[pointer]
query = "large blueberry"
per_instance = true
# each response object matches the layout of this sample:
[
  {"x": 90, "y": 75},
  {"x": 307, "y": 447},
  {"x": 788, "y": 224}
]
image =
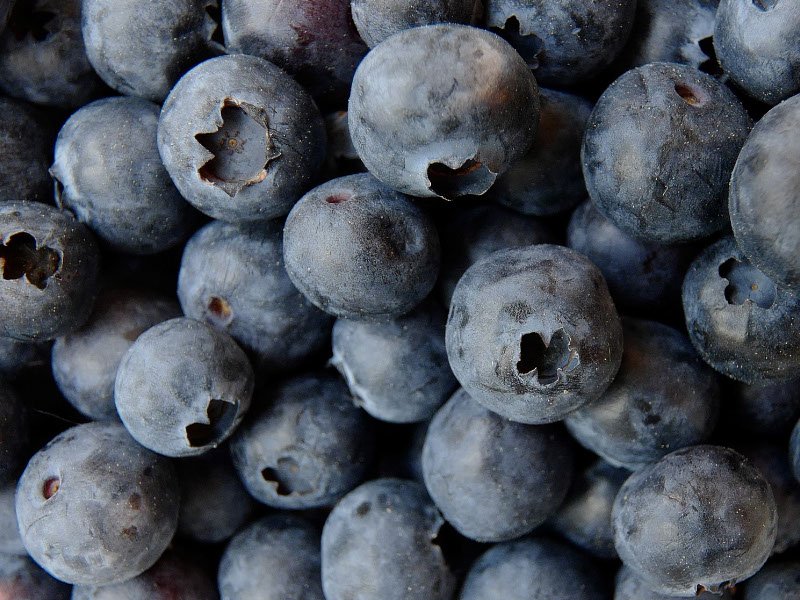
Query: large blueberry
[
  {"x": 377, "y": 20},
  {"x": 630, "y": 587},
  {"x": 308, "y": 447},
  {"x": 396, "y": 370},
  {"x": 643, "y": 277},
  {"x": 664, "y": 397},
  {"x": 85, "y": 362},
  {"x": 183, "y": 387},
  {"x": 358, "y": 249},
  {"x": 171, "y": 578},
  {"x": 49, "y": 263},
  {"x": 741, "y": 323},
  {"x": 535, "y": 568},
  {"x": 500, "y": 480},
  {"x": 548, "y": 179},
  {"x": 585, "y": 516},
  {"x": 214, "y": 503},
  {"x": 533, "y": 334},
  {"x": 314, "y": 40},
  {"x": 659, "y": 149},
  {"x": 442, "y": 110},
  {"x": 26, "y": 144},
  {"x": 109, "y": 174},
  {"x": 380, "y": 543},
  {"x": 22, "y": 579},
  {"x": 241, "y": 140},
  {"x": 233, "y": 278},
  {"x": 142, "y": 48},
  {"x": 564, "y": 42},
  {"x": 42, "y": 55},
  {"x": 14, "y": 433},
  {"x": 96, "y": 508},
  {"x": 472, "y": 233},
  {"x": 756, "y": 44},
  {"x": 764, "y": 197},
  {"x": 275, "y": 558},
  {"x": 701, "y": 519}
]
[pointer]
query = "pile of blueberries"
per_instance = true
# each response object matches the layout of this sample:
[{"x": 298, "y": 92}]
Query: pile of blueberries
[{"x": 399, "y": 299}]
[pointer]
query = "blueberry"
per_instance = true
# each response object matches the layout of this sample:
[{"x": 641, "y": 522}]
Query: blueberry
[
  {"x": 275, "y": 558},
  {"x": 170, "y": 578},
  {"x": 48, "y": 263},
  {"x": 18, "y": 358},
  {"x": 659, "y": 149},
  {"x": 357, "y": 249},
  {"x": 548, "y": 179},
  {"x": 772, "y": 462},
  {"x": 676, "y": 31},
  {"x": 701, "y": 519},
  {"x": 314, "y": 41},
  {"x": 94, "y": 507},
  {"x": 14, "y": 433},
  {"x": 776, "y": 581},
  {"x": 585, "y": 516},
  {"x": 307, "y": 448},
  {"x": 377, "y": 20},
  {"x": 141, "y": 49},
  {"x": 764, "y": 201},
  {"x": 756, "y": 44},
  {"x": 664, "y": 397},
  {"x": 565, "y": 42},
  {"x": 534, "y": 568},
  {"x": 241, "y": 140},
  {"x": 500, "y": 481},
  {"x": 630, "y": 587},
  {"x": 196, "y": 396},
  {"x": 42, "y": 55},
  {"x": 25, "y": 148},
  {"x": 475, "y": 232},
  {"x": 85, "y": 362},
  {"x": 109, "y": 174},
  {"x": 21, "y": 579},
  {"x": 233, "y": 278},
  {"x": 767, "y": 410},
  {"x": 426, "y": 117},
  {"x": 397, "y": 371},
  {"x": 214, "y": 503},
  {"x": 643, "y": 277},
  {"x": 10, "y": 540},
  {"x": 741, "y": 323},
  {"x": 380, "y": 543},
  {"x": 532, "y": 333}
]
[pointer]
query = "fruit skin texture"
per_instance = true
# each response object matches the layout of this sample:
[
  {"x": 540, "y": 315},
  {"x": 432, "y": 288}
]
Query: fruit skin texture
[
  {"x": 23, "y": 579},
  {"x": 49, "y": 266},
  {"x": 740, "y": 322},
  {"x": 112, "y": 179},
  {"x": 534, "y": 568},
  {"x": 764, "y": 199},
  {"x": 701, "y": 516},
  {"x": 275, "y": 558},
  {"x": 85, "y": 362},
  {"x": 425, "y": 103},
  {"x": 183, "y": 387},
  {"x": 360, "y": 250},
  {"x": 111, "y": 512},
  {"x": 664, "y": 397},
  {"x": 523, "y": 310},
  {"x": 377, "y": 20},
  {"x": 169, "y": 37},
  {"x": 500, "y": 480},
  {"x": 241, "y": 180},
  {"x": 308, "y": 447},
  {"x": 397, "y": 371},
  {"x": 756, "y": 44},
  {"x": 659, "y": 149},
  {"x": 630, "y": 587},
  {"x": 379, "y": 543}
]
